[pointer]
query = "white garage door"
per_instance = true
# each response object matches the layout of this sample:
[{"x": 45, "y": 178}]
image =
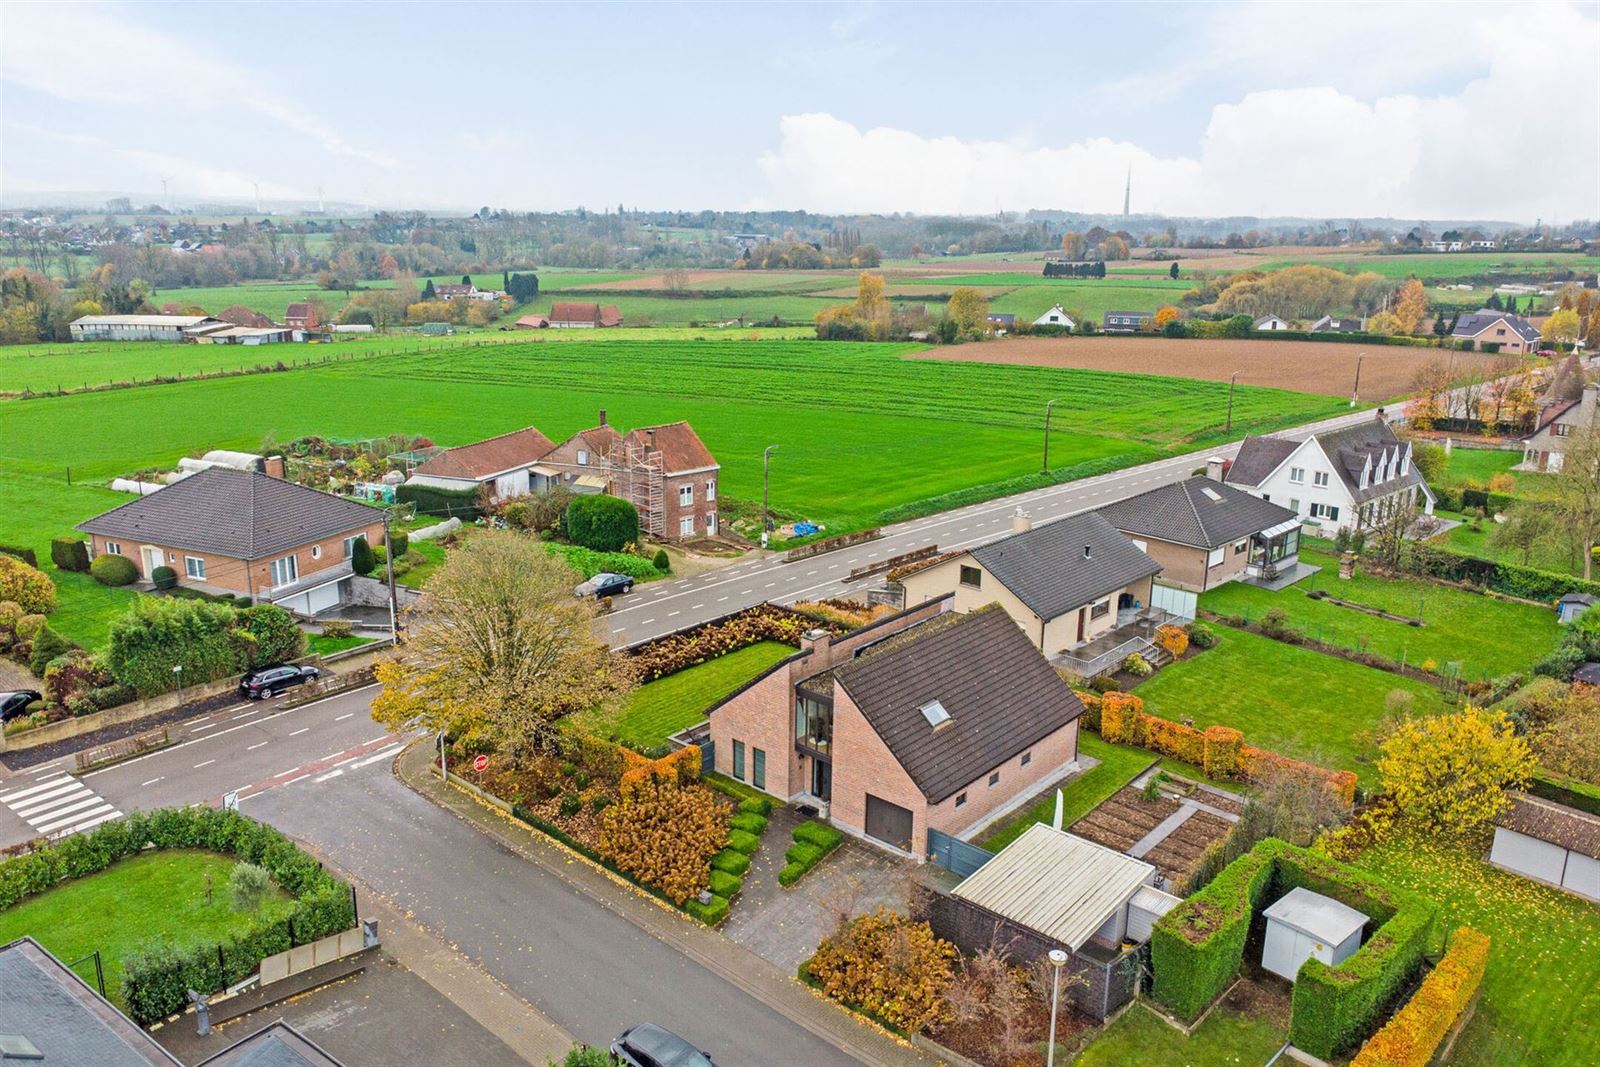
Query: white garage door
[{"x": 322, "y": 599}]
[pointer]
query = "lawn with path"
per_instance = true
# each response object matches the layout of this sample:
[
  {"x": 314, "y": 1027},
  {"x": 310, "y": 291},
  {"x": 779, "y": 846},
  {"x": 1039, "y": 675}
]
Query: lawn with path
[
  {"x": 1285, "y": 698},
  {"x": 663, "y": 707},
  {"x": 1119, "y": 765},
  {"x": 143, "y": 899},
  {"x": 1487, "y": 637}
]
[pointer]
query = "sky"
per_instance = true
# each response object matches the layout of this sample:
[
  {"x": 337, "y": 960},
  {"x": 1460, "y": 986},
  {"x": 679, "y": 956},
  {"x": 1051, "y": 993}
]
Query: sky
[{"x": 1406, "y": 110}]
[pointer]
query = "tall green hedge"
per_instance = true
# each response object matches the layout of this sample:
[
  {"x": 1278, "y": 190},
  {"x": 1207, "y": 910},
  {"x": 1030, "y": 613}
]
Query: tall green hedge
[
  {"x": 70, "y": 553},
  {"x": 209, "y": 641},
  {"x": 603, "y": 523},
  {"x": 1196, "y": 948},
  {"x": 155, "y": 980},
  {"x": 446, "y": 503},
  {"x": 1510, "y": 578}
]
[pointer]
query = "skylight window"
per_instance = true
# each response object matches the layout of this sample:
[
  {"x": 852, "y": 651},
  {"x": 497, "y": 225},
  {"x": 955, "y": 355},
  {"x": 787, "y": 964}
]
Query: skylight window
[
  {"x": 934, "y": 712},
  {"x": 1211, "y": 494}
]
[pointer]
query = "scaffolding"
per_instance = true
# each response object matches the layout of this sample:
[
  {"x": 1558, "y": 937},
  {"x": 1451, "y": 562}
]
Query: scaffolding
[{"x": 645, "y": 479}]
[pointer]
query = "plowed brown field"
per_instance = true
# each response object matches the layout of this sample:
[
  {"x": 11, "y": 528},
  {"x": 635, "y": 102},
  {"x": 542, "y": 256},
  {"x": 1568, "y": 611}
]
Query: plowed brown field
[{"x": 1304, "y": 366}]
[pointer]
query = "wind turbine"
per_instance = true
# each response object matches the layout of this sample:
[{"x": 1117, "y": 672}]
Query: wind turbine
[
  {"x": 257, "y": 186},
  {"x": 165, "y": 199}
]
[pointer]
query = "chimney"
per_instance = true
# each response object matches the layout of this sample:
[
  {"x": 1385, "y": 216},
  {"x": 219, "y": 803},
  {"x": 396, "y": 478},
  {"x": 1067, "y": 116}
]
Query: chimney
[
  {"x": 272, "y": 467},
  {"x": 650, "y": 435},
  {"x": 818, "y": 644},
  {"x": 1381, "y": 415},
  {"x": 1586, "y": 405},
  {"x": 1216, "y": 467},
  {"x": 1086, "y": 551},
  {"x": 602, "y": 416},
  {"x": 1020, "y": 522}
]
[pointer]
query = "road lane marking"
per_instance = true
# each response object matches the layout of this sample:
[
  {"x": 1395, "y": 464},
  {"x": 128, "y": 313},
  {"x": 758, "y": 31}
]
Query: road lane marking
[
  {"x": 296, "y": 778},
  {"x": 74, "y": 811},
  {"x": 297, "y": 733},
  {"x": 696, "y": 607},
  {"x": 83, "y": 820},
  {"x": 381, "y": 754},
  {"x": 670, "y": 614},
  {"x": 720, "y": 599},
  {"x": 204, "y": 763},
  {"x": 259, "y": 744},
  {"x": 246, "y": 715},
  {"x": 46, "y": 801},
  {"x": 18, "y": 794},
  {"x": 375, "y": 740},
  {"x": 153, "y": 781},
  {"x": 61, "y": 805},
  {"x": 342, "y": 718},
  {"x": 330, "y": 774},
  {"x": 204, "y": 726}
]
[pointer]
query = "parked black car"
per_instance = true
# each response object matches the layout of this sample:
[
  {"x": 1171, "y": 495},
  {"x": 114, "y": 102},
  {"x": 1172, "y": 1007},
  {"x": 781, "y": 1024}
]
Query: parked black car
[
  {"x": 649, "y": 1045},
  {"x": 606, "y": 584},
  {"x": 15, "y": 702},
  {"x": 270, "y": 681}
]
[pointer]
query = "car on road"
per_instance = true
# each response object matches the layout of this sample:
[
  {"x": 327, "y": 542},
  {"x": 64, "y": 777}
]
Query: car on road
[
  {"x": 649, "y": 1045},
  {"x": 272, "y": 680},
  {"x": 606, "y": 584},
  {"x": 15, "y": 702}
]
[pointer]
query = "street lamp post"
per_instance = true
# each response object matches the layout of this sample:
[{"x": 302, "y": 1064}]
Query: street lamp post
[
  {"x": 1058, "y": 960},
  {"x": 766, "y": 477},
  {"x": 1355, "y": 390},
  {"x": 1231, "y": 379},
  {"x": 1047, "y": 406},
  {"x": 177, "y": 674}
]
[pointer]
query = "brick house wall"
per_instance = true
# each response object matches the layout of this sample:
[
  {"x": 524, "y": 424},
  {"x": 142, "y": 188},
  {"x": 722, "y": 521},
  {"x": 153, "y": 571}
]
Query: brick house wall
[
  {"x": 863, "y": 764},
  {"x": 1185, "y": 565},
  {"x": 703, "y": 487},
  {"x": 1047, "y": 761},
  {"x": 227, "y": 574}
]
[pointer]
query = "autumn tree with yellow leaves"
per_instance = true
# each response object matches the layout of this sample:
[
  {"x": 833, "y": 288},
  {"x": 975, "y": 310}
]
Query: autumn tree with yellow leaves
[{"x": 1449, "y": 773}]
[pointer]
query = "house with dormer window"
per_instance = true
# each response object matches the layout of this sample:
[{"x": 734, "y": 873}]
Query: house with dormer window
[{"x": 1354, "y": 478}]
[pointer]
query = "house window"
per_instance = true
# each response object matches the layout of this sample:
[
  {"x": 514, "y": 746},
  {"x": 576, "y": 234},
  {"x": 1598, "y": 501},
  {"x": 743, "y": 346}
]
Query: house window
[
  {"x": 961, "y": 798},
  {"x": 1294, "y": 504},
  {"x": 971, "y": 577},
  {"x": 758, "y": 768},
  {"x": 1560, "y": 429},
  {"x": 583, "y": 457},
  {"x": 194, "y": 567},
  {"x": 113, "y": 548},
  {"x": 994, "y": 778},
  {"x": 1297, "y": 474},
  {"x": 350, "y": 546},
  {"x": 1320, "y": 478},
  {"x": 1214, "y": 557},
  {"x": 316, "y": 551},
  {"x": 285, "y": 570},
  {"x": 1101, "y": 610},
  {"x": 686, "y": 495},
  {"x": 738, "y": 760},
  {"x": 1027, "y": 758},
  {"x": 172, "y": 557},
  {"x": 1325, "y": 511},
  {"x": 813, "y": 723},
  {"x": 711, "y": 489},
  {"x": 1241, "y": 547},
  {"x": 686, "y": 526}
]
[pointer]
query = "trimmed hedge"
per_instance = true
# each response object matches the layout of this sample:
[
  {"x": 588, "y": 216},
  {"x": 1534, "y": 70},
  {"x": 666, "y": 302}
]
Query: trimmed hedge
[
  {"x": 743, "y": 841},
  {"x": 21, "y": 552},
  {"x": 749, "y": 822},
  {"x": 1414, "y": 1034},
  {"x": 155, "y": 980},
  {"x": 209, "y": 640},
  {"x": 70, "y": 553},
  {"x": 725, "y": 885},
  {"x": 113, "y": 570},
  {"x": 163, "y": 577},
  {"x": 712, "y": 914},
  {"x": 1568, "y": 791},
  {"x": 761, "y": 806},
  {"x": 1196, "y": 948},
  {"x": 812, "y": 843},
  {"x": 446, "y": 503},
  {"x": 730, "y": 861},
  {"x": 603, "y": 523},
  {"x": 1439, "y": 561}
]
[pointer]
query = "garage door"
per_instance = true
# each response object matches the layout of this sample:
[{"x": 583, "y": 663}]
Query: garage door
[
  {"x": 889, "y": 823},
  {"x": 323, "y": 599}
]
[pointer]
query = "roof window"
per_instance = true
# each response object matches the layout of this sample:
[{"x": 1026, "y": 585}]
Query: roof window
[{"x": 935, "y": 713}]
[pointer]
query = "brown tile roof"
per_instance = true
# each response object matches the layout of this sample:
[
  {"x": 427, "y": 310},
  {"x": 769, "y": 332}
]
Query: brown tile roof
[
  {"x": 533, "y": 322},
  {"x": 610, "y": 315},
  {"x": 477, "y": 461},
  {"x": 568, "y": 311},
  {"x": 240, "y": 315},
  {"x": 1001, "y": 694},
  {"x": 234, "y": 513},
  {"x": 680, "y": 447},
  {"x": 298, "y": 311},
  {"x": 1552, "y": 822}
]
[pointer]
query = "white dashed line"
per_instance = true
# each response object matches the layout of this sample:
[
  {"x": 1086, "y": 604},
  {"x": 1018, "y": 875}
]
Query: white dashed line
[
  {"x": 342, "y": 718},
  {"x": 330, "y": 774},
  {"x": 258, "y": 744},
  {"x": 152, "y": 781},
  {"x": 205, "y": 763},
  {"x": 300, "y": 731}
]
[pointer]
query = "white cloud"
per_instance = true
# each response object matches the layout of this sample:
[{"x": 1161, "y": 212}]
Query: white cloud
[{"x": 1518, "y": 141}]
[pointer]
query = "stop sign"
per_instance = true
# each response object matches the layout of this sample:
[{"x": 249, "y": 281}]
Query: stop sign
[{"x": 480, "y": 762}]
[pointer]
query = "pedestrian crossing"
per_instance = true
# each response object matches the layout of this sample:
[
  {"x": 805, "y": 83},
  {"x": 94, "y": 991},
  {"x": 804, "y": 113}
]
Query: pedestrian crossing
[{"x": 59, "y": 806}]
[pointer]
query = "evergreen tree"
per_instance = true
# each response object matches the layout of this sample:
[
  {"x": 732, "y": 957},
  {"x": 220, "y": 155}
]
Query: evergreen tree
[
  {"x": 1494, "y": 302},
  {"x": 428, "y": 292},
  {"x": 1174, "y": 271},
  {"x": 466, "y": 279}
]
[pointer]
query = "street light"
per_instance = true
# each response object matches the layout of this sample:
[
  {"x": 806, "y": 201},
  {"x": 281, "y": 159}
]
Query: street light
[
  {"x": 1058, "y": 960},
  {"x": 1231, "y": 379},
  {"x": 1047, "y": 406},
  {"x": 766, "y": 477},
  {"x": 177, "y": 674}
]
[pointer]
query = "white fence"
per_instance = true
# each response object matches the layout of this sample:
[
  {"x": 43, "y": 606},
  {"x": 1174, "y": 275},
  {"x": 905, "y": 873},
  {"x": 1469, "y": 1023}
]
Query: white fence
[{"x": 304, "y": 957}]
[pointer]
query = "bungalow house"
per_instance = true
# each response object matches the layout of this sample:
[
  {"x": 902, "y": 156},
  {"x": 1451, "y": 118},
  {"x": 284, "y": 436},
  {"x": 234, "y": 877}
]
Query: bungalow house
[
  {"x": 923, "y": 725},
  {"x": 302, "y": 316},
  {"x": 503, "y": 464},
  {"x": 571, "y": 315},
  {"x": 1352, "y": 478},
  {"x": 586, "y": 462},
  {"x": 1078, "y": 589},
  {"x": 1204, "y": 533},
  {"x": 1056, "y": 316},
  {"x": 1488, "y": 330},
  {"x": 1002, "y": 321},
  {"x": 1329, "y": 324},
  {"x": 1550, "y": 843},
  {"x": 225, "y": 530},
  {"x": 533, "y": 322},
  {"x": 1545, "y": 448},
  {"x": 1126, "y": 321},
  {"x": 1269, "y": 324}
]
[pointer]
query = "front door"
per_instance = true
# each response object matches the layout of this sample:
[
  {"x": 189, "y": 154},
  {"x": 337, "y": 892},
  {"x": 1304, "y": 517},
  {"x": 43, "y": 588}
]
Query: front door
[
  {"x": 1083, "y": 622},
  {"x": 889, "y": 823},
  {"x": 152, "y": 560},
  {"x": 821, "y": 779}
]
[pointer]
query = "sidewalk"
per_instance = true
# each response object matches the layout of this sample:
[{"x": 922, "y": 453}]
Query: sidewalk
[{"x": 780, "y": 992}]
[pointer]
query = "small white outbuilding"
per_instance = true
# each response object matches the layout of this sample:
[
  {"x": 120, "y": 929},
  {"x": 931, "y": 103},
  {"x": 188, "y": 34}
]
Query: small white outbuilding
[{"x": 1303, "y": 924}]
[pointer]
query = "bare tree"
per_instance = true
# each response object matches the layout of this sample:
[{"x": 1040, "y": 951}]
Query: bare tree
[{"x": 1578, "y": 493}]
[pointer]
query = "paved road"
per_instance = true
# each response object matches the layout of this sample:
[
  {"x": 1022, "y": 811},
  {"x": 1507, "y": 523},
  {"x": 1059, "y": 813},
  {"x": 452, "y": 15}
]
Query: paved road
[{"x": 661, "y": 607}]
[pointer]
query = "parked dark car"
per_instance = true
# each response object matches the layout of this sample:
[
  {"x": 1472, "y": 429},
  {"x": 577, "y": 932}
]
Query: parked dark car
[
  {"x": 15, "y": 702},
  {"x": 270, "y": 681},
  {"x": 606, "y": 584},
  {"x": 649, "y": 1045}
]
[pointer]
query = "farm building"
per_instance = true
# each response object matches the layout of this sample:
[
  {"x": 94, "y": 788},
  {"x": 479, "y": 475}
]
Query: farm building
[
  {"x": 570, "y": 315},
  {"x": 1126, "y": 321},
  {"x": 533, "y": 322},
  {"x": 504, "y": 464},
  {"x": 144, "y": 327},
  {"x": 252, "y": 335},
  {"x": 1269, "y": 324},
  {"x": 240, "y": 315},
  {"x": 1550, "y": 843},
  {"x": 436, "y": 329},
  {"x": 1302, "y": 925},
  {"x": 1056, "y": 316}
]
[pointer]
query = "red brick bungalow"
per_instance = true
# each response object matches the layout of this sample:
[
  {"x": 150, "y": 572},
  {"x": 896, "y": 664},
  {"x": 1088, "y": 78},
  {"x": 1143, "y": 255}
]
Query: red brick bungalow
[{"x": 924, "y": 721}]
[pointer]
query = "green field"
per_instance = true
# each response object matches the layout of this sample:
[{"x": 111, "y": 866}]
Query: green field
[
  {"x": 1454, "y": 265},
  {"x": 272, "y": 298},
  {"x": 660, "y": 709},
  {"x": 1541, "y": 992},
  {"x": 1285, "y": 698},
  {"x": 859, "y": 429},
  {"x": 154, "y": 897},
  {"x": 1119, "y": 765},
  {"x": 1486, "y": 637},
  {"x": 1554, "y": 554}
]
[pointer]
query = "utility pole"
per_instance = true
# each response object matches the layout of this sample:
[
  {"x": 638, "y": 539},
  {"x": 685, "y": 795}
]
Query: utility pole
[
  {"x": 1231, "y": 379},
  {"x": 766, "y": 477},
  {"x": 1355, "y": 390},
  {"x": 388, "y": 565},
  {"x": 1048, "y": 404}
]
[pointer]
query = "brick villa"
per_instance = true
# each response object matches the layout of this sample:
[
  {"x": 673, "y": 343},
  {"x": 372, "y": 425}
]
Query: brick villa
[{"x": 925, "y": 723}]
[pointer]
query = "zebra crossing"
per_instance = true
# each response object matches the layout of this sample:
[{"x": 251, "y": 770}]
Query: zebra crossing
[{"x": 59, "y": 806}]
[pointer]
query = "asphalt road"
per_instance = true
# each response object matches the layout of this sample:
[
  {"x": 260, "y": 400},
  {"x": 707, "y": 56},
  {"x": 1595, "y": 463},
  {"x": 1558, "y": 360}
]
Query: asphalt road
[{"x": 662, "y": 607}]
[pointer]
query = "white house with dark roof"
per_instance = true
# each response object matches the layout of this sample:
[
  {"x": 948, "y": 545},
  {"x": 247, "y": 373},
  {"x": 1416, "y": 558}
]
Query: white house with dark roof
[
  {"x": 1329, "y": 324},
  {"x": 1498, "y": 331},
  {"x": 1269, "y": 324},
  {"x": 1351, "y": 478},
  {"x": 1545, "y": 449},
  {"x": 1056, "y": 316}
]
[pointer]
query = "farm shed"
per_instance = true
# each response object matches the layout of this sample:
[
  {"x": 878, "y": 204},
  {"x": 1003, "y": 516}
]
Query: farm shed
[
  {"x": 1550, "y": 843},
  {"x": 1303, "y": 924},
  {"x": 1569, "y": 607}
]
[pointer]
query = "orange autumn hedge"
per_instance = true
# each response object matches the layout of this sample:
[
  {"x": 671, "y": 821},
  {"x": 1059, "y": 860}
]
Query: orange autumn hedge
[
  {"x": 1218, "y": 750},
  {"x": 1413, "y": 1035},
  {"x": 1175, "y": 639}
]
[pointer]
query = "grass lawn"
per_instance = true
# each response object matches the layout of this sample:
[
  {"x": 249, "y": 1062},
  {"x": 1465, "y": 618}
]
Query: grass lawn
[
  {"x": 1119, "y": 765},
  {"x": 318, "y": 645},
  {"x": 1226, "y": 1039},
  {"x": 85, "y": 608},
  {"x": 1487, "y": 637},
  {"x": 433, "y": 555},
  {"x": 667, "y": 705},
  {"x": 1553, "y": 556},
  {"x": 1285, "y": 698},
  {"x": 1541, "y": 993},
  {"x": 156, "y": 896}
]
